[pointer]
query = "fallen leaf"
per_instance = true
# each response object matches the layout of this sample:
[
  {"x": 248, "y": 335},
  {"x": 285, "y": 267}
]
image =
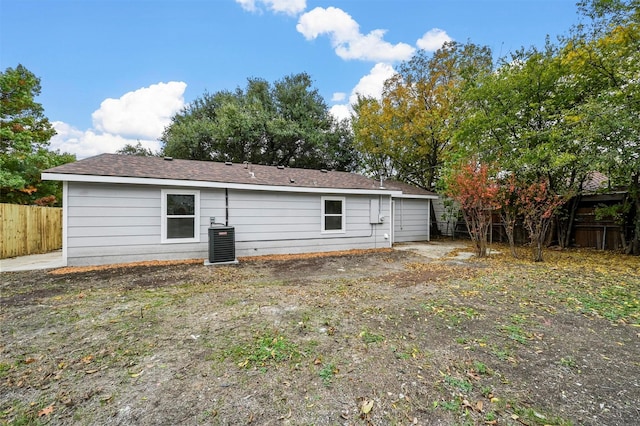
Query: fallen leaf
[
  {"x": 366, "y": 407},
  {"x": 134, "y": 375},
  {"x": 479, "y": 406},
  {"x": 30, "y": 360},
  {"x": 87, "y": 359},
  {"x": 286, "y": 416},
  {"x": 46, "y": 411}
]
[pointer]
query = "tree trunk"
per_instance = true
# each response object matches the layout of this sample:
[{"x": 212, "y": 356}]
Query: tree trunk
[
  {"x": 634, "y": 193},
  {"x": 565, "y": 226},
  {"x": 509, "y": 228},
  {"x": 572, "y": 219},
  {"x": 537, "y": 250}
]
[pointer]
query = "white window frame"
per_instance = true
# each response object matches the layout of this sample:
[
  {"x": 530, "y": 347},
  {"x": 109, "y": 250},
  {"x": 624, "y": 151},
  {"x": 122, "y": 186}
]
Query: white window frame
[
  {"x": 323, "y": 215},
  {"x": 164, "y": 216}
]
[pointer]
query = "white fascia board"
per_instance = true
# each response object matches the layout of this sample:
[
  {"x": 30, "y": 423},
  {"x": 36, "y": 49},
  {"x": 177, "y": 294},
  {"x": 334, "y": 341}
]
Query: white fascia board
[
  {"x": 206, "y": 184},
  {"x": 424, "y": 197}
]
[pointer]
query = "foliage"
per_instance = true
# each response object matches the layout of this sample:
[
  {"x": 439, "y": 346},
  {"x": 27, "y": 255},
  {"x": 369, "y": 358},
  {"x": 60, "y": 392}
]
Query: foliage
[
  {"x": 24, "y": 139},
  {"x": 538, "y": 204},
  {"x": 472, "y": 187},
  {"x": 284, "y": 123},
  {"x": 604, "y": 60},
  {"x": 408, "y": 134},
  {"x": 509, "y": 206},
  {"x": 137, "y": 150},
  {"x": 327, "y": 372},
  {"x": 556, "y": 114},
  {"x": 516, "y": 119},
  {"x": 268, "y": 349}
]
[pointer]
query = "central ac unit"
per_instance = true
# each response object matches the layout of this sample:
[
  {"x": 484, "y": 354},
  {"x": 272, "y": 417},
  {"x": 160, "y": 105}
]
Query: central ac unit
[{"x": 222, "y": 245}]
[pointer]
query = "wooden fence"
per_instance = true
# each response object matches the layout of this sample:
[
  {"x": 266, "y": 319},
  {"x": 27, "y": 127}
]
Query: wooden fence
[{"x": 29, "y": 230}]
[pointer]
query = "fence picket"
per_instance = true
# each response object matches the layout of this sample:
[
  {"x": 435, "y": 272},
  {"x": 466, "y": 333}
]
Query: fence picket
[{"x": 29, "y": 230}]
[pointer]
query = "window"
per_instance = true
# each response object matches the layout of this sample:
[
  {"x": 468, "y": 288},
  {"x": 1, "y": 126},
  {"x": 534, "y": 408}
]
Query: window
[
  {"x": 180, "y": 216},
  {"x": 333, "y": 214}
]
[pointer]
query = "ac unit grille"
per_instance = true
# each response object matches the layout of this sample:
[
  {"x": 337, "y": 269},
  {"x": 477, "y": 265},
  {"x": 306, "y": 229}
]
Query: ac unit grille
[{"x": 222, "y": 244}]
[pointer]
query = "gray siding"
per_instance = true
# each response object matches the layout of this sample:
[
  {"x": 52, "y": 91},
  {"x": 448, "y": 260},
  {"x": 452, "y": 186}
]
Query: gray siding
[
  {"x": 278, "y": 223},
  {"x": 111, "y": 223},
  {"x": 411, "y": 221}
]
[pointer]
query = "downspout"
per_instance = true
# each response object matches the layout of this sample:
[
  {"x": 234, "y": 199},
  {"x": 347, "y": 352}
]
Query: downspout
[{"x": 226, "y": 207}]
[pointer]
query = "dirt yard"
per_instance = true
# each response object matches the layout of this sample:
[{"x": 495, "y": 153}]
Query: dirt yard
[{"x": 380, "y": 338}]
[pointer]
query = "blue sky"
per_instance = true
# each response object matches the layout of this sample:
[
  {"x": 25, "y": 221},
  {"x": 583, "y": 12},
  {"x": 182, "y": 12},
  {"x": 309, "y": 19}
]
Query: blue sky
[{"x": 114, "y": 72}]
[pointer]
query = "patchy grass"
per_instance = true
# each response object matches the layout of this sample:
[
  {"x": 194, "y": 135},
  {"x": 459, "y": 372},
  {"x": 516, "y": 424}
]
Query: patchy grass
[
  {"x": 377, "y": 337},
  {"x": 267, "y": 349}
]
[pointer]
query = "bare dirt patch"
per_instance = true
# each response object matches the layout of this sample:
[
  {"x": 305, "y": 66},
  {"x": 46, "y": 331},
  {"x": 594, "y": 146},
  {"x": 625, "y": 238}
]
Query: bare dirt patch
[{"x": 383, "y": 337}]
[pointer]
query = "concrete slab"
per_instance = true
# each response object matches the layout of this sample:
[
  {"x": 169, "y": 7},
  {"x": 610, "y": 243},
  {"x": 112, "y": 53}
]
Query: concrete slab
[
  {"x": 32, "y": 262},
  {"x": 442, "y": 248},
  {"x": 435, "y": 249}
]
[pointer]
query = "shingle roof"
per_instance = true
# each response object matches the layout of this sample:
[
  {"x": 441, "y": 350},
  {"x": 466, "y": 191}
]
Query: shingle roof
[
  {"x": 130, "y": 166},
  {"x": 595, "y": 181}
]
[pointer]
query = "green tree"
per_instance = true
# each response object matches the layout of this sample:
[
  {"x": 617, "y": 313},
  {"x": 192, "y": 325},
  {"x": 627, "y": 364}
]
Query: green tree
[
  {"x": 517, "y": 117},
  {"x": 408, "y": 134},
  {"x": 604, "y": 57},
  {"x": 24, "y": 139},
  {"x": 137, "y": 150},
  {"x": 284, "y": 123}
]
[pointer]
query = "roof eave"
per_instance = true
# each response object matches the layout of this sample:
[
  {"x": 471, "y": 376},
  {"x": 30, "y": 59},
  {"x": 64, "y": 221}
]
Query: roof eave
[
  {"x": 209, "y": 184},
  {"x": 419, "y": 196}
]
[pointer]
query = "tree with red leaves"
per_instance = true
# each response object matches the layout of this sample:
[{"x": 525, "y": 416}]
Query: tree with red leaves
[
  {"x": 509, "y": 206},
  {"x": 538, "y": 204},
  {"x": 475, "y": 190}
]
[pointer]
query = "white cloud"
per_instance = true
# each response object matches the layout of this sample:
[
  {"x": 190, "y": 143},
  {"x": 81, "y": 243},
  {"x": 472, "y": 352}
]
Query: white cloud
[
  {"x": 433, "y": 40},
  {"x": 288, "y": 7},
  {"x": 88, "y": 143},
  {"x": 143, "y": 113},
  {"x": 140, "y": 115},
  {"x": 346, "y": 38},
  {"x": 341, "y": 111},
  {"x": 338, "y": 97},
  {"x": 370, "y": 85},
  {"x": 248, "y": 5}
]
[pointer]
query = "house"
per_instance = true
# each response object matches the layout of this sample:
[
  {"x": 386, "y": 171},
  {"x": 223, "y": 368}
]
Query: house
[{"x": 120, "y": 208}]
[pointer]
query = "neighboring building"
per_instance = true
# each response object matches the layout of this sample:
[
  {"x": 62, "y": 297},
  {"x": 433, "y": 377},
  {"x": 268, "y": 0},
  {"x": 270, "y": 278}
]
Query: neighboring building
[
  {"x": 120, "y": 208},
  {"x": 593, "y": 232}
]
